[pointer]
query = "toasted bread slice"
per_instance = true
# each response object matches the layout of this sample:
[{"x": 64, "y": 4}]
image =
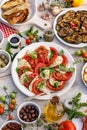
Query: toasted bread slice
[
  {"x": 17, "y": 17},
  {"x": 16, "y": 9},
  {"x": 12, "y": 3},
  {"x": 85, "y": 77},
  {"x": 85, "y": 70}
]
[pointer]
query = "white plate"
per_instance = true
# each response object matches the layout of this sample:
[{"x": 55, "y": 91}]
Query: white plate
[
  {"x": 33, "y": 11},
  {"x": 66, "y": 43},
  {"x": 33, "y": 47},
  {"x": 83, "y": 73}
]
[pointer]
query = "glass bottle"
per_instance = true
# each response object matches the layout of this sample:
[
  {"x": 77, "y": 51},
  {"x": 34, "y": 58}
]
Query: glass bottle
[{"x": 54, "y": 110}]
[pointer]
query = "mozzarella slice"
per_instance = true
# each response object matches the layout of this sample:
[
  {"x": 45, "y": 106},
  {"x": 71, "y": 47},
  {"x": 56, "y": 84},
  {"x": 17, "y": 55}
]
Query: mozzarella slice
[
  {"x": 67, "y": 65},
  {"x": 22, "y": 77},
  {"x": 57, "y": 61},
  {"x": 45, "y": 89},
  {"x": 30, "y": 86},
  {"x": 23, "y": 62},
  {"x": 49, "y": 53},
  {"x": 45, "y": 74},
  {"x": 53, "y": 81},
  {"x": 57, "y": 69}
]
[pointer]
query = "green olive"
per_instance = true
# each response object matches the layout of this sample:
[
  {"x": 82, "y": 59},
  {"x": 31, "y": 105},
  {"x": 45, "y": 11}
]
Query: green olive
[
  {"x": 15, "y": 91},
  {"x": 6, "y": 61},
  {"x": 3, "y": 57},
  {"x": 83, "y": 50}
]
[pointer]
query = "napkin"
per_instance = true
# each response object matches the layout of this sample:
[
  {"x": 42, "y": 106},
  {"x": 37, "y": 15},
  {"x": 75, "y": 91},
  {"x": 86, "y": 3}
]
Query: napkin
[{"x": 7, "y": 30}]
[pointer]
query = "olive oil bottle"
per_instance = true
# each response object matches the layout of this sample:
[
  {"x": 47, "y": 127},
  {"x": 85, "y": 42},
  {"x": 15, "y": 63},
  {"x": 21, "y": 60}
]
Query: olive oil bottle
[{"x": 54, "y": 110}]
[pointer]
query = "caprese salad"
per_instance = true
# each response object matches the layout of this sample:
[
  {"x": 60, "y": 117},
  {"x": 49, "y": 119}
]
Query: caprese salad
[{"x": 44, "y": 70}]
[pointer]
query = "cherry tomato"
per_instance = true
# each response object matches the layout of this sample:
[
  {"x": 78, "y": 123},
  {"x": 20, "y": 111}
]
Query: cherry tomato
[
  {"x": 55, "y": 89},
  {"x": 31, "y": 37},
  {"x": 3, "y": 99},
  {"x": 38, "y": 66},
  {"x": 13, "y": 95},
  {"x": 11, "y": 107},
  {"x": 84, "y": 55},
  {"x": 86, "y": 123},
  {"x": 28, "y": 41},
  {"x": 65, "y": 60},
  {"x": 2, "y": 106},
  {"x": 66, "y": 125},
  {"x": 10, "y": 117},
  {"x": 53, "y": 57},
  {"x": 62, "y": 77},
  {"x": 13, "y": 101},
  {"x": 34, "y": 86},
  {"x": 1, "y": 111}
]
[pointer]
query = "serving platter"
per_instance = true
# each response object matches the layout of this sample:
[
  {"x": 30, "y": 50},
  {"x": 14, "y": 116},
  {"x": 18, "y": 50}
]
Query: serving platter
[
  {"x": 80, "y": 45},
  {"x": 33, "y": 47}
]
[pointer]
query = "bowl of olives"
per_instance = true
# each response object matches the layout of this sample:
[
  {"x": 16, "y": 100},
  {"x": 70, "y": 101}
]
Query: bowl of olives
[
  {"x": 28, "y": 112},
  {"x": 1, "y": 37},
  {"x": 5, "y": 60}
]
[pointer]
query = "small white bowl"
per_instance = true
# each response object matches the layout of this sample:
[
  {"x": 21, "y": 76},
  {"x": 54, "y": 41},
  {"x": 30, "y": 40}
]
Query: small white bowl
[
  {"x": 31, "y": 104},
  {"x": 16, "y": 40},
  {"x": 1, "y": 37},
  {"x": 9, "y": 60},
  {"x": 83, "y": 74},
  {"x": 11, "y": 121}
]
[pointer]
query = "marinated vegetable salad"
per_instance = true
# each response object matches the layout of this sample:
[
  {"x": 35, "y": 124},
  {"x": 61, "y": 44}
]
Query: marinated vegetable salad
[{"x": 44, "y": 70}]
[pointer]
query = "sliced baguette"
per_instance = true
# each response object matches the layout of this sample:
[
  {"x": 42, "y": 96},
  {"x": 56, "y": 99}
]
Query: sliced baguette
[
  {"x": 16, "y": 9},
  {"x": 12, "y": 3}
]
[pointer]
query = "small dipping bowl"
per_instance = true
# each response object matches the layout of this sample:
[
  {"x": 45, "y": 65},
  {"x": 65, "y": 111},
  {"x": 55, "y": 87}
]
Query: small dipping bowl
[
  {"x": 28, "y": 112},
  {"x": 5, "y": 60},
  {"x": 12, "y": 122},
  {"x": 1, "y": 37},
  {"x": 14, "y": 40}
]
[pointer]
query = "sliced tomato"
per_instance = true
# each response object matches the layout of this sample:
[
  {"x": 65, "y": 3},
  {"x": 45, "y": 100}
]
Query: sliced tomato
[
  {"x": 53, "y": 57},
  {"x": 31, "y": 77},
  {"x": 33, "y": 62},
  {"x": 65, "y": 60},
  {"x": 55, "y": 89},
  {"x": 23, "y": 69},
  {"x": 62, "y": 77},
  {"x": 66, "y": 125},
  {"x": 38, "y": 66},
  {"x": 42, "y": 54},
  {"x": 34, "y": 86},
  {"x": 41, "y": 49},
  {"x": 86, "y": 123}
]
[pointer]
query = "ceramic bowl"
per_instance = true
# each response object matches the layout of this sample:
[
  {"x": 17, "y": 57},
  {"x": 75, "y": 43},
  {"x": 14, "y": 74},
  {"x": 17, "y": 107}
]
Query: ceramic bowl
[
  {"x": 1, "y": 37},
  {"x": 19, "y": 112},
  {"x": 84, "y": 73},
  {"x": 14, "y": 40},
  {"x": 6, "y": 54},
  {"x": 11, "y": 121}
]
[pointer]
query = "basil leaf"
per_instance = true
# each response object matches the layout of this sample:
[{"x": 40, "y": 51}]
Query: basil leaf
[
  {"x": 61, "y": 52},
  {"x": 17, "y": 69},
  {"x": 51, "y": 54},
  {"x": 56, "y": 84},
  {"x": 62, "y": 67}
]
